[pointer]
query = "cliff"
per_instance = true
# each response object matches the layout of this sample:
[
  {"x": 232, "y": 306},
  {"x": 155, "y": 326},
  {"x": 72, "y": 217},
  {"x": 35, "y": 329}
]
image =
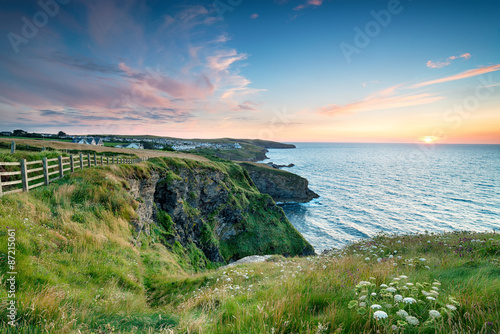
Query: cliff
[
  {"x": 281, "y": 185},
  {"x": 213, "y": 209}
]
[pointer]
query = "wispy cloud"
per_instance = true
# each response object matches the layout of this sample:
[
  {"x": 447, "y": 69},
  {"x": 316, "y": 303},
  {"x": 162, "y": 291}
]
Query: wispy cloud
[
  {"x": 364, "y": 84},
  {"x": 439, "y": 64},
  {"x": 254, "y": 16},
  {"x": 384, "y": 99},
  {"x": 463, "y": 75},
  {"x": 309, "y": 3}
]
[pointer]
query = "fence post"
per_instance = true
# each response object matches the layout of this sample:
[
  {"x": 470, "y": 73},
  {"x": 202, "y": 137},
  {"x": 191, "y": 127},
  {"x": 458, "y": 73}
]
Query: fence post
[
  {"x": 1, "y": 192},
  {"x": 72, "y": 163},
  {"x": 13, "y": 148},
  {"x": 89, "y": 162},
  {"x": 45, "y": 172},
  {"x": 107, "y": 160},
  {"x": 61, "y": 171},
  {"x": 101, "y": 160},
  {"x": 95, "y": 159},
  {"x": 81, "y": 161},
  {"x": 24, "y": 175}
]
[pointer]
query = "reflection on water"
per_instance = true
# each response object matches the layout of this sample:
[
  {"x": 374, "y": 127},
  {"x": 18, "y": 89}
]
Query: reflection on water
[{"x": 368, "y": 188}]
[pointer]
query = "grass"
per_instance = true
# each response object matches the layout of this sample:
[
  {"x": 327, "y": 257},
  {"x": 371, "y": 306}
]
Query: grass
[{"x": 83, "y": 269}]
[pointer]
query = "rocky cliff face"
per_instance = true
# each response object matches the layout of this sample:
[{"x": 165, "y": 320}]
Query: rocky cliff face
[
  {"x": 215, "y": 208},
  {"x": 281, "y": 185}
]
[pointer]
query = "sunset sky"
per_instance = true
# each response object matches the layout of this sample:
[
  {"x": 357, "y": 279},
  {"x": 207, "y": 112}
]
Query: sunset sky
[{"x": 285, "y": 70}]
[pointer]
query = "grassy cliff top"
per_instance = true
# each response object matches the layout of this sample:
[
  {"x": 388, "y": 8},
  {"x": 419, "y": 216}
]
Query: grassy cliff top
[{"x": 83, "y": 268}]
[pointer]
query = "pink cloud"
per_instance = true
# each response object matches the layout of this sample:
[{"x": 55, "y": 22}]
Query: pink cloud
[
  {"x": 439, "y": 64},
  {"x": 254, "y": 16},
  {"x": 463, "y": 75},
  {"x": 384, "y": 99},
  {"x": 309, "y": 3}
]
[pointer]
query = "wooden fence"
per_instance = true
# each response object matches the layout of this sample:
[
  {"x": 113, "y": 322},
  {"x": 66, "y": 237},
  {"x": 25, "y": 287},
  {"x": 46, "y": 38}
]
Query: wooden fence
[{"x": 32, "y": 174}]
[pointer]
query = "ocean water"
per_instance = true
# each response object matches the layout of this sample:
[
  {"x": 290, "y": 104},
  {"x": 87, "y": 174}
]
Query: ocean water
[{"x": 395, "y": 188}]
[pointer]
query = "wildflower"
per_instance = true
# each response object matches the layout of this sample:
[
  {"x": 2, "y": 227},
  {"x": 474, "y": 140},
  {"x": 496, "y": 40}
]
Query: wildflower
[
  {"x": 398, "y": 298},
  {"x": 383, "y": 286},
  {"x": 367, "y": 259},
  {"x": 431, "y": 298},
  {"x": 436, "y": 283},
  {"x": 391, "y": 289},
  {"x": 376, "y": 306},
  {"x": 409, "y": 300},
  {"x": 425, "y": 293},
  {"x": 422, "y": 259},
  {"x": 402, "y": 313},
  {"x": 380, "y": 315},
  {"x": 435, "y": 288},
  {"x": 373, "y": 293},
  {"x": 395, "y": 279},
  {"x": 409, "y": 284},
  {"x": 403, "y": 276},
  {"x": 379, "y": 260},
  {"x": 363, "y": 283},
  {"x": 434, "y": 314},
  {"x": 362, "y": 304},
  {"x": 362, "y": 297},
  {"x": 412, "y": 320},
  {"x": 451, "y": 307},
  {"x": 394, "y": 264}
]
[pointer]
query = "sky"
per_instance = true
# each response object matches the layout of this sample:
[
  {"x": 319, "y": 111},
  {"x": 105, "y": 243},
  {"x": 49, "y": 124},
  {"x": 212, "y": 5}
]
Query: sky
[{"x": 285, "y": 70}]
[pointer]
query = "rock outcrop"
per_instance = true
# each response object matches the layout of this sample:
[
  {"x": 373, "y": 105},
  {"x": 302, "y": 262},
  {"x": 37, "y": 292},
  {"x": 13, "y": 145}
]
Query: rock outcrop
[
  {"x": 215, "y": 208},
  {"x": 281, "y": 185}
]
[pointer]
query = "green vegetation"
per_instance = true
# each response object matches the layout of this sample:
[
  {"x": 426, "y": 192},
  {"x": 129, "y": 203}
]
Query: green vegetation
[{"x": 84, "y": 268}]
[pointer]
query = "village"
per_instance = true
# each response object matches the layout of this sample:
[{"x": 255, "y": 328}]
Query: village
[{"x": 127, "y": 142}]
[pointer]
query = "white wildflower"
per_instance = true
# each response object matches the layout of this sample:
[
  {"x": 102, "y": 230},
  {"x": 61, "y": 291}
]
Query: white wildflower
[
  {"x": 403, "y": 276},
  {"x": 451, "y": 307},
  {"x": 431, "y": 298},
  {"x": 373, "y": 293},
  {"x": 402, "y": 313},
  {"x": 391, "y": 289},
  {"x": 376, "y": 306},
  {"x": 398, "y": 298},
  {"x": 412, "y": 320},
  {"x": 409, "y": 300},
  {"x": 380, "y": 315},
  {"x": 422, "y": 259},
  {"x": 383, "y": 286},
  {"x": 434, "y": 314},
  {"x": 362, "y": 304}
]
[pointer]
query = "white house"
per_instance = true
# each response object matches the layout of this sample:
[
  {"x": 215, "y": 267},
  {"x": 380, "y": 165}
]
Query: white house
[{"x": 136, "y": 146}]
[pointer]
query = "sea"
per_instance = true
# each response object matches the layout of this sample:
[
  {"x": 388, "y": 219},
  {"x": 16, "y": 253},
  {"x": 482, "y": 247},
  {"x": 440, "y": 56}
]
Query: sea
[{"x": 392, "y": 188}]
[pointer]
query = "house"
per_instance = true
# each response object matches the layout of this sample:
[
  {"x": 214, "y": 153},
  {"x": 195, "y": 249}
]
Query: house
[
  {"x": 6, "y": 133},
  {"x": 98, "y": 141},
  {"x": 135, "y": 146},
  {"x": 84, "y": 141},
  {"x": 88, "y": 141}
]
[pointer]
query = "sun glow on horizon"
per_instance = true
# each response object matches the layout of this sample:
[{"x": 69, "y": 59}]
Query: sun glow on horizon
[{"x": 428, "y": 139}]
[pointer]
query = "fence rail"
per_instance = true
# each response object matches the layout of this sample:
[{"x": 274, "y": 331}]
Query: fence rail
[{"x": 50, "y": 170}]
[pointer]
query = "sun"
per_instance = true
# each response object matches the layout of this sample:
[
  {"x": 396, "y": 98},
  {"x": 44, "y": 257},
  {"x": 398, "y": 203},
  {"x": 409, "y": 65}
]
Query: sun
[{"x": 428, "y": 139}]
